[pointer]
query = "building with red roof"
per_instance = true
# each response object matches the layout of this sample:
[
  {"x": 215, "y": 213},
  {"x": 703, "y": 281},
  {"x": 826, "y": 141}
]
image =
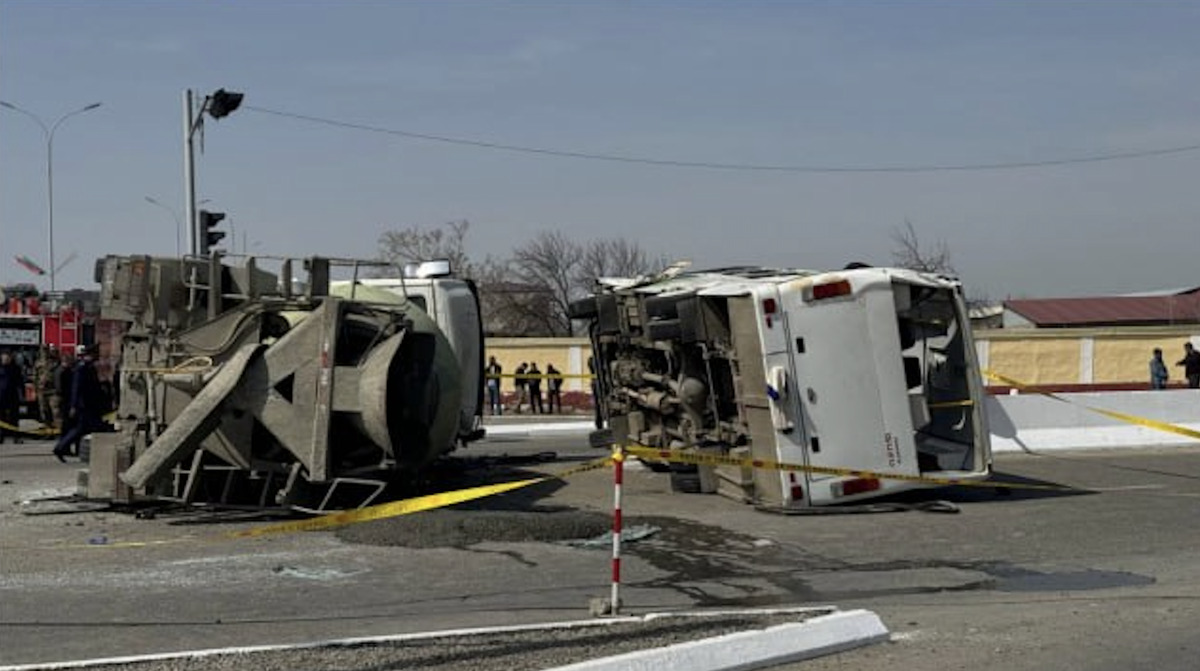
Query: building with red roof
[{"x": 1173, "y": 307}]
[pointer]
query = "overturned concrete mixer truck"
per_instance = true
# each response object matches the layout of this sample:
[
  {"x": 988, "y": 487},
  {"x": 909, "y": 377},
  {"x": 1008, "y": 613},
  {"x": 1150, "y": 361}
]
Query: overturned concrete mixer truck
[
  {"x": 291, "y": 389},
  {"x": 850, "y": 375}
]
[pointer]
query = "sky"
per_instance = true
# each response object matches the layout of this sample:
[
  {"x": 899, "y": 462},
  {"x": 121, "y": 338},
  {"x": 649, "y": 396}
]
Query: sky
[{"x": 814, "y": 87}]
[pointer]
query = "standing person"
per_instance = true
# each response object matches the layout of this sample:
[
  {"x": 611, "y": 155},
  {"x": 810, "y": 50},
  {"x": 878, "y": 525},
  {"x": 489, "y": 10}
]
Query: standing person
[
  {"x": 554, "y": 382},
  {"x": 493, "y": 372},
  {"x": 1158, "y": 370},
  {"x": 86, "y": 406},
  {"x": 535, "y": 390},
  {"x": 521, "y": 382},
  {"x": 1191, "y": 365},
  {"x": 43, "y": 376},
  {"x": 63, "y": 375},
  {"x": 12, "y": 388}
]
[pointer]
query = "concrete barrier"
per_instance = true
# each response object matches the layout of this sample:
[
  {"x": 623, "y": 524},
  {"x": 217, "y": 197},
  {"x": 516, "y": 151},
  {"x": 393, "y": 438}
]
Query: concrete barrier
[{"x": 1036, "y": 422}]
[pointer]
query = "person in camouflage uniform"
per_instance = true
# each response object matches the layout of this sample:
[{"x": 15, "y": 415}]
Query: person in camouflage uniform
[{"x": 45, "y": 370}]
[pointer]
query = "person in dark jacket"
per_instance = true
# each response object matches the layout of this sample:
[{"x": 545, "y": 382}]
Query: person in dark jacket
[
  {"x": 61, "y": 400},
  {"x": 86, "y": 407},
  {"x": 493, "y": 372},
  {"x": 1191, "y": 365},
  {"x": 12, "y": 388},
  {"x": 554, "y": 383},
  {"x": 535, "y": 389},
  {"x": 522, "y": 383}
]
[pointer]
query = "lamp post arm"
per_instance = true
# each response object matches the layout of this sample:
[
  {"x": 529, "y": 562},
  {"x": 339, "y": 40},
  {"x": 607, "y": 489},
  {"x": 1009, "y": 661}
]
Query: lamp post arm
[
  {"x": 48, "y": 133},
  {"x": 37, "y": 119},
  {"x": 68, "y": 115}
]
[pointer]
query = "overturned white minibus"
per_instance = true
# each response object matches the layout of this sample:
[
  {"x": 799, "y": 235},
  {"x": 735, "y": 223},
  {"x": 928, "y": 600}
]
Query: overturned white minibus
[{"x": 864, "y": 369}]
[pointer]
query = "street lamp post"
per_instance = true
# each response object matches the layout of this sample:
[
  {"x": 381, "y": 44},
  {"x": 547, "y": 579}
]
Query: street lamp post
[
  {"x": 48, "y": 131},
  {"x": 178, "y": 222}
]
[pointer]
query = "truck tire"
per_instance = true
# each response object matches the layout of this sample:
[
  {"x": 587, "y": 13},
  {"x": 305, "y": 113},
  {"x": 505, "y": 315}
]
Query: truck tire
[
  {"x": 602, "y": 438},
  {"x": 685, "y": 479}
]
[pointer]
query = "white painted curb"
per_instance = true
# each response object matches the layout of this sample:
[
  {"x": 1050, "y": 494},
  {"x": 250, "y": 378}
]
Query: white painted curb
[
  {"x": 327, "y": 643},
  {"x": 540, "y": 428},
  {"x": 820, "y": 635},
  {"x": 745, "y": 650}
]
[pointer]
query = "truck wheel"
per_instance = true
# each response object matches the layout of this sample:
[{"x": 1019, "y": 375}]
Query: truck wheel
[
  {"x": 602, "y": 438},
  {"x": 656, "y": 466},
  {"x": 685, "y": 479}
]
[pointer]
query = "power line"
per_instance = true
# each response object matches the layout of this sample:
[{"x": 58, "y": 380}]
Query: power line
[{"x": 617, "y": 158}]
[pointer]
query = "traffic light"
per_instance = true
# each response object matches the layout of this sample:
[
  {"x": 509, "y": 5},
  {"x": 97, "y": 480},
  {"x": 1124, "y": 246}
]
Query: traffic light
[
  {"x": 209, "y": 237},
  {"x": 222, "y": 102}
]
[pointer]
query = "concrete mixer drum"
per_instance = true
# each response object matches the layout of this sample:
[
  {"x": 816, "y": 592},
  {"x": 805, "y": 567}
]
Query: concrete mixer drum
[{"x": 252, "y": 395}]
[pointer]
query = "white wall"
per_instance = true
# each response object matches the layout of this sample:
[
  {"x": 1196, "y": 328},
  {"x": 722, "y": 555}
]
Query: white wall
[{"x": 1036, "y": 422}]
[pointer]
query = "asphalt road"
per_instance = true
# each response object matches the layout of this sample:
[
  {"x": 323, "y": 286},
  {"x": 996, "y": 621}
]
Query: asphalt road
[{"x": 1020, "y": 580}]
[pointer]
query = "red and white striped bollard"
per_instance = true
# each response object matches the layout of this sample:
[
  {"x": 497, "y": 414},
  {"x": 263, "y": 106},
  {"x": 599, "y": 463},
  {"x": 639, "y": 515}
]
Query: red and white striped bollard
[{"x": 618, "y": 459}]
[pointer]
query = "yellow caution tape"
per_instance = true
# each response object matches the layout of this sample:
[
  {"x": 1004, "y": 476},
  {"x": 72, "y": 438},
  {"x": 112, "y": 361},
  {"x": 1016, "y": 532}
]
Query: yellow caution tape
[
  {"x": 951, "y": 404},
  {"x": 408, "y": 506},
  {"x": 331, "y": 520},
  {"x": 385, "y": 510},
  {"x": 99, "y": 543},
  {"x": 696, "y": 458},
  {"x": 42, "y": 431},
  {"x": 1124, "y": 417}
]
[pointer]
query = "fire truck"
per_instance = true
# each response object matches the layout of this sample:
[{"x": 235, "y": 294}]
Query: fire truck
[{"x": 30, "y": 319}]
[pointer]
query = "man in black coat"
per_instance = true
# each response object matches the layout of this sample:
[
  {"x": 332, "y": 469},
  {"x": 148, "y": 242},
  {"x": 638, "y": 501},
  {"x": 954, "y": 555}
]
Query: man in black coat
[
  {"x": 1191, "y": 365},
  {"x": 12, "y": 388},
  {"x": 86, "y": 406},
  {"x": 535, "y": 389}
]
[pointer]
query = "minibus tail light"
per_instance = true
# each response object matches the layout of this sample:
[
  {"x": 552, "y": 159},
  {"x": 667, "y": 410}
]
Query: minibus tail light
[
  {"x": 796, "y": 490},
  {"x": 830, "y": 290},
  {"x": 855, "y": 486},
  {"x": 769, "y": 308}
]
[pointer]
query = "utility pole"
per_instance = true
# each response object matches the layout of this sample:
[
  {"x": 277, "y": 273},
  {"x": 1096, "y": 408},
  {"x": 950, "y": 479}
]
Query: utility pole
[
  {"x": 189, "y": 172},
  {"x": 218, "y": 105}
]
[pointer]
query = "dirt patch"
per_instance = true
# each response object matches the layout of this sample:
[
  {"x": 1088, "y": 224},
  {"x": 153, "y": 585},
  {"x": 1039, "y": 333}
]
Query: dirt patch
[{"x": 459, "y": 528}]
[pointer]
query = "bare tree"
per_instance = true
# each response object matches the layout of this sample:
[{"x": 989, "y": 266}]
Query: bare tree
[
  {"x": 547, "y": 266},
  {"x": 616, "y": 257},
  {"x": 497, "y": 301},
  {"x": 551, "y": 271},
  {"x": 910, "y": 254},
  {"x": 415, "y": 244},
  {"x": 528, "y": 294},
  {"x": 516, "y": 309}
]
